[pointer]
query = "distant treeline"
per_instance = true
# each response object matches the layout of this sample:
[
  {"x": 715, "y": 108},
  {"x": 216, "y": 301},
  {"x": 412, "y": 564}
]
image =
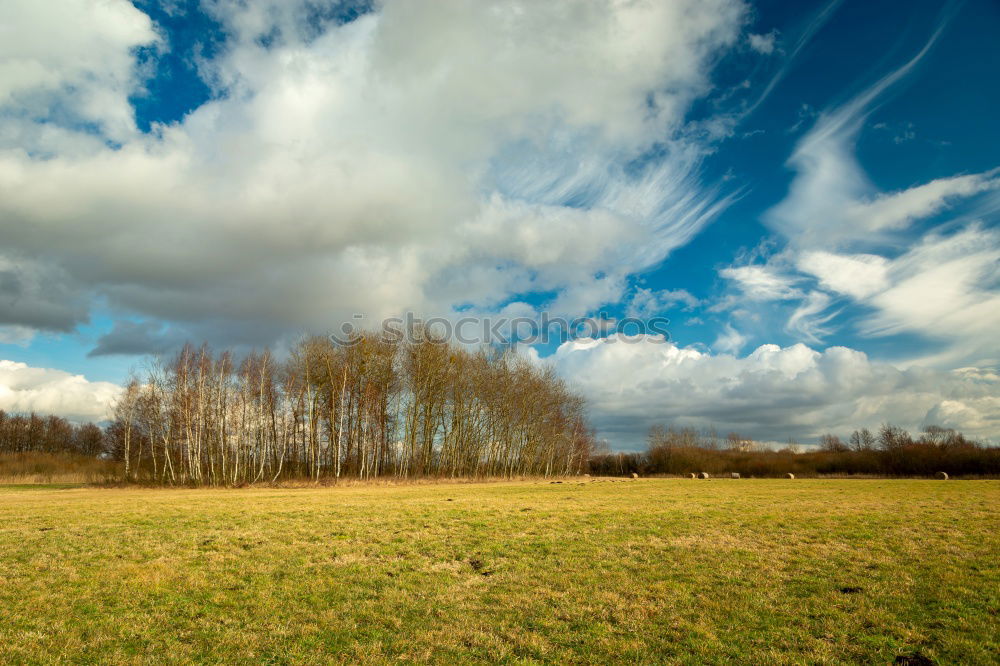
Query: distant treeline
[
  {"x": 31, "y": 433},
  {"x": 890, "y": 452},
  {"x": 375, "y": 408}
]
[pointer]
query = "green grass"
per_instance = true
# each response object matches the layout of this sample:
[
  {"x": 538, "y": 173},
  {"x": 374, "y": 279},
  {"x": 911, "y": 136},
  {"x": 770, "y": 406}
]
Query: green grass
[
  {"x": 749, "y": 571},
  {"x": 21, "y": 487}
]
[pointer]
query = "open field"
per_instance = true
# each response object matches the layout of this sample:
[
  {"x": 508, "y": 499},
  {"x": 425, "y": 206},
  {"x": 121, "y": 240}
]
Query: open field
[{"x": 668, "y": 570}]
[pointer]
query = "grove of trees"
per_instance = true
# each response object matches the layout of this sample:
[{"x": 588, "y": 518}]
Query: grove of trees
[{"x": 375, "y": 408}]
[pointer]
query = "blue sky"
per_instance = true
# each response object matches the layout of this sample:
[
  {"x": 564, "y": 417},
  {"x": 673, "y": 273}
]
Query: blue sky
[{"x": 808, "y": 191}]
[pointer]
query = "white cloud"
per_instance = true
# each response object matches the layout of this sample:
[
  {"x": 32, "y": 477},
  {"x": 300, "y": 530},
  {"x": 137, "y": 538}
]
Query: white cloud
[
  {"x": 16, "y": 335},
  {"x": 762, "y": 282},
  {"x": 858, "y": 243},
  {"x": 429, "y": 155},
  {"x": 945, "y": 287},
  {"x": 646, "y": 303},
  {"x": 811, "y": 316},
  {"x": 46, "y": 391},
  {"x": 831, "y": 203},
  {"x": 68, "y": 62},
  {"x": 857, "y": 275},
  {"x": 763, "y": 44},
  {"x": 730, "y": 340},
  {"x": 771, "y": 394},
  {"x": 899, "y": 209}
]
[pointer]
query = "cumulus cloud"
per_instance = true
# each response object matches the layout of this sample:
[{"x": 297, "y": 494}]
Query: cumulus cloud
[
  {"x": 66, "y": 65},
  {"x": 772, "y": 394},
  {"x": 424, "y": 156},
  {"x": 46, "y": 391}
]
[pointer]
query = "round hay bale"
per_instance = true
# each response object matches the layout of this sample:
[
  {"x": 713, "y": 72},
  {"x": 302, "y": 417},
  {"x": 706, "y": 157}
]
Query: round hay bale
[
  {"x": 703, "y": 475},
  {"x": 789, "y": 476},
  {"x": 586, "y": 476},
  {"x": 634, "y": 475},
  {"x": 941, "y": 475},
  {"x": 693, "y": 475},
  {"x": 735, "y": 475}
]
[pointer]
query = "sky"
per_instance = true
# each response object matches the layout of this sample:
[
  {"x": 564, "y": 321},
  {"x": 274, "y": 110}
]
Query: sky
[{"x": 809, "y": 192}]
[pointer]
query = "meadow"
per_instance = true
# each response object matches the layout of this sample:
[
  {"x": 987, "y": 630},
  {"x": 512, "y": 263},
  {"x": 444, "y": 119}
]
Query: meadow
[{"x": 582, "y": 571}]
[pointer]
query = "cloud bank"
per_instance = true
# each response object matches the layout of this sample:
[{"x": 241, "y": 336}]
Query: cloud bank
[
  {"x": 426, "y": 156},
  {"x": 26, "y": 389},
  {"x": 771, "y": 394}
]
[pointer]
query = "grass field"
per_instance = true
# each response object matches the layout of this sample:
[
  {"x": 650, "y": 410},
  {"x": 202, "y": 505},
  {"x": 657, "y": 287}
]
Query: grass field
[{"x": 762, "y": 571}]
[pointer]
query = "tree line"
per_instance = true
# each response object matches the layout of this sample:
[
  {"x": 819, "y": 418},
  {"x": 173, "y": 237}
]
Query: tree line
[
  {"x": 891, "y": 451},
  {"x": 377, "y": 407},
  {"x": 31, "y": 433}
]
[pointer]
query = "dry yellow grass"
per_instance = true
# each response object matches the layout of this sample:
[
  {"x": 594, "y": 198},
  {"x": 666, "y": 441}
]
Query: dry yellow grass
[
  {"x": 665, "y": 570},
  {"x": 54, "y": 468}
]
